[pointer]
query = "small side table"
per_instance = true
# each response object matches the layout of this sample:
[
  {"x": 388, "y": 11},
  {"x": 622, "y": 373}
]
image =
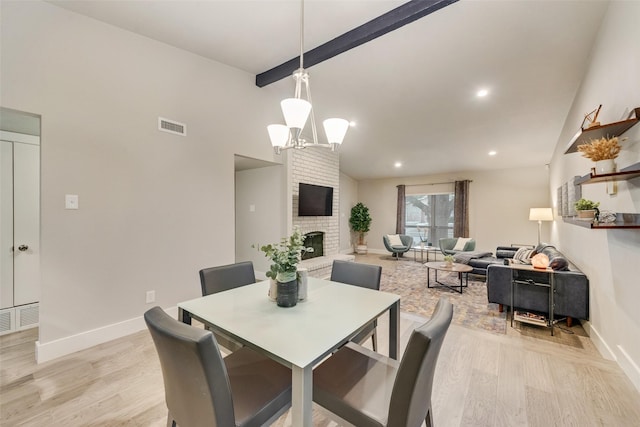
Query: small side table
[{"x": 422, "y": 250}]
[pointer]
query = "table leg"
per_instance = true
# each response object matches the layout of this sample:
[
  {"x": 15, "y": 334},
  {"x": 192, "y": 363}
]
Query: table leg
[
  {"x": 394, "y": 330},
  {"x": 184, "y": 316},
  {"x": 301, "y": 396}
]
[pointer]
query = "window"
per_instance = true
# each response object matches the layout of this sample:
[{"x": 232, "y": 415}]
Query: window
[{"x": 429, "y": 217}]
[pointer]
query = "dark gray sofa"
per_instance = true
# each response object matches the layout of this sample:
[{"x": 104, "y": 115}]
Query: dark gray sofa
[
  {"x": 572, "y": 287},
  {"x": 481, "y": 264}
]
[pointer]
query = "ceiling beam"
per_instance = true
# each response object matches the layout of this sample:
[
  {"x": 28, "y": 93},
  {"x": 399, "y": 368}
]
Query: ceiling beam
[{"x": 383, "y": 24}]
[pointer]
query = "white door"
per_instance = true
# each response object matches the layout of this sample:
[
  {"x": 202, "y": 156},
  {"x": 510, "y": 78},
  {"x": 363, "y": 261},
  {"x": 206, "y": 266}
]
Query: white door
[
  {"x": 23, "y": 252},
  {"x": 6, "y": 224}
]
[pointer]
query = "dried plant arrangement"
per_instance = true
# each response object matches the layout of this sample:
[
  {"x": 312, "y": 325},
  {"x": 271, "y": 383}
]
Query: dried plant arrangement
[{"x": 601, "y": 149}]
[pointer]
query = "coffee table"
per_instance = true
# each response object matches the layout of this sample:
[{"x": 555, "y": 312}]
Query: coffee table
[{"x": 461, "y": 269}]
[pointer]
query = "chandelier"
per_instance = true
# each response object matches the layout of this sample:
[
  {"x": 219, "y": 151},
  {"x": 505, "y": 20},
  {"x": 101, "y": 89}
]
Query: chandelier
[{"x": 297, "y": 110}]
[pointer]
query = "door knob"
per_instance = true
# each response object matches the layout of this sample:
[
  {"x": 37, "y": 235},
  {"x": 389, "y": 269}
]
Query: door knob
[{"x": 23, "y": 248}]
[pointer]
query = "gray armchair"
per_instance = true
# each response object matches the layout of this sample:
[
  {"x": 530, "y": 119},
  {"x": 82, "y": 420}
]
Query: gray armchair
[
  {"x": 447, "y": 245},
  {"x": 397, "y": 251}
]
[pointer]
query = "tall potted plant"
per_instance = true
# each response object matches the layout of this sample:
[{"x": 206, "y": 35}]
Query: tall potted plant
[{"x": 360, "y": 222}]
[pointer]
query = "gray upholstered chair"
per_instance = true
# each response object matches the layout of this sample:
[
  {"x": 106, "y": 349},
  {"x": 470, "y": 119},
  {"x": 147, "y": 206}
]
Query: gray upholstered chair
[
  {"x": 365, "y": 276},
  {"x": 223, "y": 278},
  {"x": 447, "y": 245},
  {"x": 397, "y": 251},
  {"x": 204, "y": 389},
  {"x": 367, "y": 389}
]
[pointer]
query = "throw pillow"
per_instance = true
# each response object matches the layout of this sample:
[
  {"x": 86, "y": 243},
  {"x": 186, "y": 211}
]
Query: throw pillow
[
  {"x": 461, "y": 243},
  {"x": 394, "y": 240},
  {"x": 523, "y": 256}
]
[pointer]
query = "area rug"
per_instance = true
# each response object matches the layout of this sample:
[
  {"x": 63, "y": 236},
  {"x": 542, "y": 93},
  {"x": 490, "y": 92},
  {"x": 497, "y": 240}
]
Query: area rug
[{"x": 471, "y": 309}]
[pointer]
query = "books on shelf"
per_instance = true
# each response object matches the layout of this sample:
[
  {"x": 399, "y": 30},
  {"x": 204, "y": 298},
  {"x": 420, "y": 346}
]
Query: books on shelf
[{"x": 525, "y": 316}]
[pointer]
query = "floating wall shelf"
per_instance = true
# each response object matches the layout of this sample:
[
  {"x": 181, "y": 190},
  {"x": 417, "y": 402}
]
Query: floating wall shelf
[
  {"x": 627, "y": 173},
  {"x": 623, "y": 220},
  {"x": 596, "y": 132}
]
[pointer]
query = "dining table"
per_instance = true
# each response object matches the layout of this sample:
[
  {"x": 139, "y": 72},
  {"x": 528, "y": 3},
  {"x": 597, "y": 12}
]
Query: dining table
[{"x": 299, "y": 337}]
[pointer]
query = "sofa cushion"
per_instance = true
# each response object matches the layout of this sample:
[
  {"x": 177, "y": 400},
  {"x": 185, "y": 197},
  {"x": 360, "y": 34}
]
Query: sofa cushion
[
  {"x": 461, "y": 243},
  {"x": 523, "y": 256},
  {"x": 394, "y": 240},
  {"x": 557, "y": 261}
]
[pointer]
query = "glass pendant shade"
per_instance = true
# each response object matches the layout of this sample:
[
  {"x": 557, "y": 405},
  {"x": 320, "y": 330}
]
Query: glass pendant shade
[
  {"x": 335, "y": 129},
  {"x": 279, "y": 134},
  {"x": 295, "y": 111}
]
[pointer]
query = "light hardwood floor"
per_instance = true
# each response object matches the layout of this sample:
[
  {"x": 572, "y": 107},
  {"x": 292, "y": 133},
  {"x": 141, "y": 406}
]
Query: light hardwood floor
[{"x": 482, "y": 379}]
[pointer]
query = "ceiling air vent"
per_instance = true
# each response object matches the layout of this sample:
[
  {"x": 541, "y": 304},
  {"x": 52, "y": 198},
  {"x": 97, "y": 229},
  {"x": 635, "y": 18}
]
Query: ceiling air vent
[{"x": 172, "y": 126}]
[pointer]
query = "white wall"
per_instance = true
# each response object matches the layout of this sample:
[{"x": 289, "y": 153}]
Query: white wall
[
  {"x": 608, "y": 258},
  {"x": 348, "y": 199},
  {"x": 154, "y": 207},
  {"x": 498, "y": 205},
  {"x": 265, "y": 190}
]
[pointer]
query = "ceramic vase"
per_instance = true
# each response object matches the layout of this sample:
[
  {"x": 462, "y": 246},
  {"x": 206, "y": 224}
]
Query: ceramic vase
[
  {"x": 303, "y": 279},
  {"x": 605, "y": 166},
  {"x": 273, "y": 290},
  {"x": 287, "y": 289}
]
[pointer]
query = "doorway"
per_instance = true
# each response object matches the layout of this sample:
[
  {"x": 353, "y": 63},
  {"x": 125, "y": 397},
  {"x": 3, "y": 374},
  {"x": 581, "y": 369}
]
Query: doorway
[{"x": 19, "y": 220}]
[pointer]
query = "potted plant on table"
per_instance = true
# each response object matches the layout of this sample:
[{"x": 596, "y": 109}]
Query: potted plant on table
[
  {"x": 285, "y": 257},
  {"x": 360, "y": 222},
  {"x": 587, "y": 209},
  {"x": 448, "y": 260}
]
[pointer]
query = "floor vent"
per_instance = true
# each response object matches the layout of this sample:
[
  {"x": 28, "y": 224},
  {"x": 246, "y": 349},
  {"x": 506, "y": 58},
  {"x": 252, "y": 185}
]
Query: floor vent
[
  {"x": 171, "y": 126},
  {"x": 7, "y": 321},
  {"x": 27, "y": 316}
]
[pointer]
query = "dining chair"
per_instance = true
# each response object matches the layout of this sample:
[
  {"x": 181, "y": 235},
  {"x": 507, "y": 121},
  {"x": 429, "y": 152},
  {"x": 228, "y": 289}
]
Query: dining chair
[
  {"x": 222, "y": 278},
  {"x": 204, "y": 389},
  {"x": 366, "y": 388},
  {"x": 225, "y": 277},
  {"x": 365, "y": 276}
]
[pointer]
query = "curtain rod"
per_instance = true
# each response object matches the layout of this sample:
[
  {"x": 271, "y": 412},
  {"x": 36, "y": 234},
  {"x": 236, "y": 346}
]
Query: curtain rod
[{"x": 434, "y": 183}]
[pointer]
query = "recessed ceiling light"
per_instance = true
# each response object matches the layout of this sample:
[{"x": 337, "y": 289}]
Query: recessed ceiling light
[
  {"x": 482, "y": 93},
  {"x": 397, "y": 164},
  {"x": 493, "y": 153},
  {"x": 352, "y": 124}
]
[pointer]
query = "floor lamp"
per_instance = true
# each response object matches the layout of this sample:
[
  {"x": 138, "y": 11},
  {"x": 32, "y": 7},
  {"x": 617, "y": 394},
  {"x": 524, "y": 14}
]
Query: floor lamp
[{"x": 540, "y": 214}]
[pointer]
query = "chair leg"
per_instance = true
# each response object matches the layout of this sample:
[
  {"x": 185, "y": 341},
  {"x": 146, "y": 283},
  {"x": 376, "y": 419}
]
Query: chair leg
[
  {"x": 429, "y": 419},
  {"x": 374, "y": 339},
  {"x": 170, "y": 421}
]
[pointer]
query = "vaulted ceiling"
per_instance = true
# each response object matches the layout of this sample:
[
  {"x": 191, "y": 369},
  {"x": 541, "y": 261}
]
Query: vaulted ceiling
[{"x": 411, "y": 92}]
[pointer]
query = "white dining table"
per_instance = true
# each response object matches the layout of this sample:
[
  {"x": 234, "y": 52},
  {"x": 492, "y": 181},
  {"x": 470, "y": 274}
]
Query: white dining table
[{"x": 299, "y": 337}]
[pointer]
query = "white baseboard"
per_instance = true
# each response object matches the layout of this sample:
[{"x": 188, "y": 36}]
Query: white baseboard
[
  {"x": 600, "y": 343},
  {"x": 67, "y": 345},
  {"x": 629, "y": 367}
]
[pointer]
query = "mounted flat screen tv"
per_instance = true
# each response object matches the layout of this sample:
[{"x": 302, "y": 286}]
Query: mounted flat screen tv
[{"x": 315, "y": 200}]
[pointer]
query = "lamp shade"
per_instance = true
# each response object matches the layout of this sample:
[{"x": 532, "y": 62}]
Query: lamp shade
[
  {"x": 540, "y": 214},
  {"x": 335, "y": 129},
  {"x": 279, "y": 134},
  {"x": 295, "y": 111}
]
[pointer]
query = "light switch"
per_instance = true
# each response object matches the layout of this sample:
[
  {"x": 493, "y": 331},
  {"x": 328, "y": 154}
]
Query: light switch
[
  {"x": 71, "y": 201},
  {"x": 252, "y": 208}
]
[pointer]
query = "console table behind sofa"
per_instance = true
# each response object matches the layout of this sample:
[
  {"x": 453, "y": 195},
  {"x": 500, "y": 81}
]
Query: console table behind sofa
[{"x": 571, "y": 298}]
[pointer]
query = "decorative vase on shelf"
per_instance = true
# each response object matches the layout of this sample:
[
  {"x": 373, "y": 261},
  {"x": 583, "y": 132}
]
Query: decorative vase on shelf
[
  {"x": 605, "y": 166},
  {"x": 587, "y": 214},
  {"x": 287, "y": 289}
]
